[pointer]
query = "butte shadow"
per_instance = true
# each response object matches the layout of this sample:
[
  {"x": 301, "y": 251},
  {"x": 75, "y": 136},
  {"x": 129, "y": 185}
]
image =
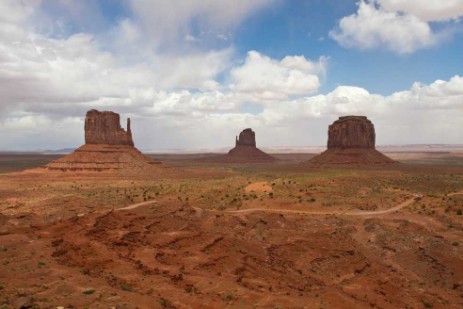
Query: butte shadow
[
  {"x": 245, "y": 151},
  {"x": 351, "y": 142}
]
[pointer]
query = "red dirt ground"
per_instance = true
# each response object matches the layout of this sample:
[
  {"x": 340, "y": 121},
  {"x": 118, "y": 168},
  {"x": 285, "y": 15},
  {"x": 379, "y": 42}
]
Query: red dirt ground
[{"x": 223, "y": 241}]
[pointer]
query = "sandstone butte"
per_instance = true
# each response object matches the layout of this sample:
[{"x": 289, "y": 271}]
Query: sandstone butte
[
  {"x": 108, "y": 148},
  {"x": 351, "y": 141},
  {"x": 104, "y": 128},
  {"x": 245, "y": 151}
]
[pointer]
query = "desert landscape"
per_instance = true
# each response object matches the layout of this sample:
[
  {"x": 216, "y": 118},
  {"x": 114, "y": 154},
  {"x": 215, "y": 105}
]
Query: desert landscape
[
  {"x": 231, "y": 154},
  {"x": 107, "y": 227}
]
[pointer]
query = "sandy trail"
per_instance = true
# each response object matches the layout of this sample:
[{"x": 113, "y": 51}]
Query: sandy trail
[
  {"x": 130, "y": 207},
  {"x": 133, "y": 206},
  {"x": 382, "y": 212},
  {"x": 299, "y": 212},
  {"x": 261, "y": 186},
  {"x": 324, "y": 213}
]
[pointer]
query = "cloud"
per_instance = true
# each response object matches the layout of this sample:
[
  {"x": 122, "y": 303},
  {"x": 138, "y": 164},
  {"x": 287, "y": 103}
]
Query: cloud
[
  {"x": 40, "y": 74},
  {"x": 193, "y": 98},
  {"x": 30, "y": 131},
  {"x": 423, "y": 114},
  {"x": 264, "y": 79},
  {"x": 67, "y": 76},
  {"x": 373, "y": 27},
  {"x": 168, "y": 22},
  {"x": 185, "y": 104},
  {"x": 17, "y": 11},
  {"x": 429, "y": 10}
]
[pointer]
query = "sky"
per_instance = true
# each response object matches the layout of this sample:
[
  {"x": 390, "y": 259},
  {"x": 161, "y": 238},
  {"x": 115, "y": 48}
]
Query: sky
[{"x": 193, "y": 74}]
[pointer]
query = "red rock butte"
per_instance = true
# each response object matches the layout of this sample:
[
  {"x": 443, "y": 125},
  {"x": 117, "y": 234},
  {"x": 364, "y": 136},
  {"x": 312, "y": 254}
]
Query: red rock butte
[
  {"x": 104, "y": 128},
  {"x": 351, "y": 141},
  {"x": 245, "y": 151},
  {"x": 247, "y": 138},
  {"x": 108, "y": 148}
]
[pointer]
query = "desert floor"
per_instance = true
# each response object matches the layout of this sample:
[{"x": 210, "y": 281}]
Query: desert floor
[{"x": 279, "y": 235}]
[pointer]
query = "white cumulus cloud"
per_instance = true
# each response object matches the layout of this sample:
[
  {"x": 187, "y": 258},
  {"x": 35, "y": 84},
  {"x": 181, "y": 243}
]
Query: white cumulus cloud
[
  {"x": 265, "y": 79},
  {"x": 372, "y": 27}
]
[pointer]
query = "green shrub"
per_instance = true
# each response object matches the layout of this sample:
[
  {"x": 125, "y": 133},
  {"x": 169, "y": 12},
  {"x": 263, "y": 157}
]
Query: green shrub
[{"x": 126, "y": 287}]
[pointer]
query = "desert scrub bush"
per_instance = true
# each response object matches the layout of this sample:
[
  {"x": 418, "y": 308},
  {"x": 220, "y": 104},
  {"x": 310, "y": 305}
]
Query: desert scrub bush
[
  {"x": 89, "y": 292},
  {"x": 165, "y": 303},
  {"x": 228, "y": 297},
  {"x": 126, "y": 287},
  {"x": 427, "y": 304}
]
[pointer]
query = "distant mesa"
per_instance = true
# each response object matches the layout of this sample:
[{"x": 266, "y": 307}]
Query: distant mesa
[
  {"x": 247, "y": 138},
  {"x": 108, "y": 147},
  {"x": 245, "y": 151},
  {"x": 351, "y": 141}
]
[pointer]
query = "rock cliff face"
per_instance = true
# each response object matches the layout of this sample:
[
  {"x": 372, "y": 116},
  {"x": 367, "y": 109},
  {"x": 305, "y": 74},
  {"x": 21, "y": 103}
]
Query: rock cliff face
[
  {"x": 351, "y": 141},
  {"x": 247, "y": 138},
  {"x": 104, "y": 128},
  {"x": 351, "y": 132}
]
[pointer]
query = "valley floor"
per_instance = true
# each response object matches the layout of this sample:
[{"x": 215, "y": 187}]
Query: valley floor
[{"x": 248, "y": 236}]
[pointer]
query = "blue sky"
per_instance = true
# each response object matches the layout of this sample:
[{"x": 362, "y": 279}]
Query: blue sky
[
  {"x": 195, "y": 73},
  {"x": 302, "y": 27}
]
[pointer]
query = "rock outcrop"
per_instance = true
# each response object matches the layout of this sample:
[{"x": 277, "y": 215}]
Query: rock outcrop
[
  {"x": 247, "y": 138},
  {"x": 104, "y": 128},
  {"x": 245, "y": 151},
  {"x": 351, "y": 141},
  {"x": 351, "y": 132},
  {"x": 108, "y": 148}
]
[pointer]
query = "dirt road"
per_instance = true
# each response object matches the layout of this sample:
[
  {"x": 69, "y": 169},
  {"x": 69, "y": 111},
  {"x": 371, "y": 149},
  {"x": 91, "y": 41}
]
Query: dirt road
[
  {"x": 456, "y": 193},
  {"x": 308, "y": 212},
  {"x": 133, "y": 206},
  {"x": 300, "y": 212}
]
